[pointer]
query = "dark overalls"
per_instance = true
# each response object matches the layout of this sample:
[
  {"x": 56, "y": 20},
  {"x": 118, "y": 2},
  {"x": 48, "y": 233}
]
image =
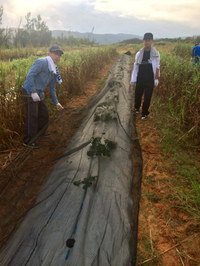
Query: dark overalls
[{"x": 145, "y": 84}]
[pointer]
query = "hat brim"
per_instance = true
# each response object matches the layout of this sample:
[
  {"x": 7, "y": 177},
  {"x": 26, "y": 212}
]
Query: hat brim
[{"x": 57, "y": 51}]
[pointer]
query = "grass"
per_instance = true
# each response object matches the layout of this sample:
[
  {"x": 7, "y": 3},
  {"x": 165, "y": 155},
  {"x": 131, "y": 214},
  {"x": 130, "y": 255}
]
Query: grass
[
  {"x": 175, "y": 107},
  {"x": 77, "y": 69},
  {"x": 183, "y": 159},
  {"x": 183, "y": 50},
  {"x": 152, "y": 197},
  {"x": 179, "y": 90},
  {"x": 146, "y": 252},
  {"x": 175, "y": 189},
  {"x": 179, "y": 84},
  {"x": 176, "y": 112}
]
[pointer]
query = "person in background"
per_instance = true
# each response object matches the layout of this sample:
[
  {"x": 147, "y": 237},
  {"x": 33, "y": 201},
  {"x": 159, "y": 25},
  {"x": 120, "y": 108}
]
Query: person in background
[
  {"x": 145, "y": 74},
  {"x": 196, "y": 53},
  {"x": 42, "y": 73}
]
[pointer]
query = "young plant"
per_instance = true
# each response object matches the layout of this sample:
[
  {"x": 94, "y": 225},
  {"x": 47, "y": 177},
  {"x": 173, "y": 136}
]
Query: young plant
[
  {"x": 101, "y": 147},
  {"x": 86, "y": 182}
]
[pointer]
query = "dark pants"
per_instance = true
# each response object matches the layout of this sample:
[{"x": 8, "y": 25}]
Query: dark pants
[
  {"x": 37, "y": 116},
  {"x": 139, "y": 91}
]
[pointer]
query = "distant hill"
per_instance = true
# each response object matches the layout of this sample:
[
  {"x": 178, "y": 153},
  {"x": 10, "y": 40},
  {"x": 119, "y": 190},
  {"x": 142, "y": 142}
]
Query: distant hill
[{"x": 97, "y": 38}]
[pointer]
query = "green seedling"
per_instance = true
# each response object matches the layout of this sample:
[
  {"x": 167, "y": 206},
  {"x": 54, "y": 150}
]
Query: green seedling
[
  {"x": 86, "y": 182},
  {"x": 101, "y": 147}
]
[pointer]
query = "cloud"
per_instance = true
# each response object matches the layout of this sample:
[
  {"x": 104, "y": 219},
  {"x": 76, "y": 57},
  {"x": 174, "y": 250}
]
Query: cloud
[
  {"x": 84, "y": 17},
  {"x": 166, "y": 18},
  {"x": 171, "y": 10}
]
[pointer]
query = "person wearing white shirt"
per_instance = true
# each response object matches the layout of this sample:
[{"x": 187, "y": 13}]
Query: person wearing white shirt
[{"x": 145, "y": 74}]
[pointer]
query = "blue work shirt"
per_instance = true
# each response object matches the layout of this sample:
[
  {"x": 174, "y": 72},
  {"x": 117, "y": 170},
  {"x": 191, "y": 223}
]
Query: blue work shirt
[
  {"x": 38, "y": 78},
  {"x": 196, "y": 54}
]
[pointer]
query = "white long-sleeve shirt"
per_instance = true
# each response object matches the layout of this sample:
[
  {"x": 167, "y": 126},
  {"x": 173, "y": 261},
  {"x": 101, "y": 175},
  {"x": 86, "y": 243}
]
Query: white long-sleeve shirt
[{"x": 155, "y": 58}]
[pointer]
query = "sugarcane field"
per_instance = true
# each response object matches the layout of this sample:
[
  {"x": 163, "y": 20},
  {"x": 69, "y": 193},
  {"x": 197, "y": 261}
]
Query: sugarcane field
[{"x": 106, "y": 187}]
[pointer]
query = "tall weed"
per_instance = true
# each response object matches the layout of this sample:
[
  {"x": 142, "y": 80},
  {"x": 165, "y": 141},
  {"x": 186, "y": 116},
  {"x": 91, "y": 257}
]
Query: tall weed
[
  {"x": 180, "y": 90},
  {"x": 183, "y": 50},
  {"x": 76, "y": 69}
]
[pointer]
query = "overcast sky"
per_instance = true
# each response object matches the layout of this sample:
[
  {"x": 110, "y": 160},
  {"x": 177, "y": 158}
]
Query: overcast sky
[{"x": 164, "y": 18}]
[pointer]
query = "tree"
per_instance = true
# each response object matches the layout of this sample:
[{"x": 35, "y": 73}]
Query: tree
[
  {"x": 1, "y": 14},
  {"x": 35, "y": 32},
  {"x": 5, "y": 34},
  {"x": 1, "y": 29}
]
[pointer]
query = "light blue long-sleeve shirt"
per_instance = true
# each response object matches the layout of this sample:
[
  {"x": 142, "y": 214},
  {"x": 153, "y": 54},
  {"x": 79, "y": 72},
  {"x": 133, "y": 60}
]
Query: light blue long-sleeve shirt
[{"x": 39, "y": 77}]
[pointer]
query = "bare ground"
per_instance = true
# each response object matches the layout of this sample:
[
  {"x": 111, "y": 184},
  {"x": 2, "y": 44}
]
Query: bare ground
[
  {"x": 165, "y": 232},
  {"x": 163, "y": 228}
]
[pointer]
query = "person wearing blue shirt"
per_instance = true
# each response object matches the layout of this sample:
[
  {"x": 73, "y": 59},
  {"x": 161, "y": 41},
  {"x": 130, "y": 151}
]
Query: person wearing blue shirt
[
  {"x": 43, "y": 73},
  {"x": 196, "y": 53}
]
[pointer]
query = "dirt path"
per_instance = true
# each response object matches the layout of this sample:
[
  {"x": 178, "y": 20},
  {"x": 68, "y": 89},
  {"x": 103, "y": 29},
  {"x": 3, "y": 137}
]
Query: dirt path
[
  {"x": 161, "y": 225},
  {"x": 21, "y": 181}
]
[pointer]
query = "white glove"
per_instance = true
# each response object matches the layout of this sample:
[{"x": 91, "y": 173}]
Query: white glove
[
  {"x": 59, "y": 106},
  {"x": 35, "y": 97},
  {"x": 156, "y": 82}
]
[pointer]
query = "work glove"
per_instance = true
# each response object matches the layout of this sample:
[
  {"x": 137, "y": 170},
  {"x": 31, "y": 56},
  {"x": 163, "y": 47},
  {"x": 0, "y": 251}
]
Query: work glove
[
  {"x": 59, "y": 106},
  {"x": 35, "y": 97},
  {"x": 156, "y": 82}
]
